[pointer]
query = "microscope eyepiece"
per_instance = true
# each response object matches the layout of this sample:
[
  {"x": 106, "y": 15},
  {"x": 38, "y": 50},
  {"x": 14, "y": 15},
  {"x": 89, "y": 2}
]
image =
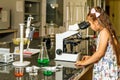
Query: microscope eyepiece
[{"x": 84, "y": 25}]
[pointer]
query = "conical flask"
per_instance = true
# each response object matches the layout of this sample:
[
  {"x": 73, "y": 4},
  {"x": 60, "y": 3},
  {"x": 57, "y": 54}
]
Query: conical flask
[{"x": 43, "y": 58}]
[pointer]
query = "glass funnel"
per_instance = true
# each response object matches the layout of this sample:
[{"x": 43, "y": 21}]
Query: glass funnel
[{"x": 43, "y": 58}]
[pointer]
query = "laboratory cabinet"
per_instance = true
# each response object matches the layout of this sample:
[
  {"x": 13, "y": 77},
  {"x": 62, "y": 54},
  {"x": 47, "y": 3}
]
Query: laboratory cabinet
[
  {"x": 4, "y": 18},
  {"x": 32, "y": 8},
  {"x": 20, "y": 10}
]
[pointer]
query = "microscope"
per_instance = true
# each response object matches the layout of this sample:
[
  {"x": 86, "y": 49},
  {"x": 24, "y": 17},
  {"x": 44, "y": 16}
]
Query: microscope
[{"x": 71, "y": 37}]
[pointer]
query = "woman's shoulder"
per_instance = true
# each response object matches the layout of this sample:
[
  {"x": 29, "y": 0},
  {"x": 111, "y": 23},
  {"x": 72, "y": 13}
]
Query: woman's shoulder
[
  {"x": 104, "y": 35},
  {"x": 105, "y": 32}
]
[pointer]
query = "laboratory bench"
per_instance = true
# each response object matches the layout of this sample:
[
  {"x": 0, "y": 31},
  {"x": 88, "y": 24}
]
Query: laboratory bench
[{"x": 68, "y": 70}]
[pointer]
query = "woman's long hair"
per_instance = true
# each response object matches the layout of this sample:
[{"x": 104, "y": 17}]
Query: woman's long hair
[{"x": 99, "y": 14}]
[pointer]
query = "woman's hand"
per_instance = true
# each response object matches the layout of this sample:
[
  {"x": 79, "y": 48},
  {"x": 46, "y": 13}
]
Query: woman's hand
[
  {"x": 85, "y": 57},
  {"x": 82, "y": 62}
]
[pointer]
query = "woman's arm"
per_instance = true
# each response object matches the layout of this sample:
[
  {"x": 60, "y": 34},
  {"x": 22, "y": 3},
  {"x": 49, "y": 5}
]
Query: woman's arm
[{"x": 104, "y": 37}]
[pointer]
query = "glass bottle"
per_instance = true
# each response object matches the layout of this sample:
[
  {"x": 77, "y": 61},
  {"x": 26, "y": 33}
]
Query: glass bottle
[
  {"x": 43, "y": 58},
  {"x": 51, "y": 51}
]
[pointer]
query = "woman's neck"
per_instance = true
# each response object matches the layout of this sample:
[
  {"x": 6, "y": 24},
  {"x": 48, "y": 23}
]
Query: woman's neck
[{"x": 101, "y": 29}]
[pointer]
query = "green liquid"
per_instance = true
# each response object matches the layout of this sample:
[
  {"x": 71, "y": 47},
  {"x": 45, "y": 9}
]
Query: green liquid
[
  {"x": 47, "y": 73},
  {"x": 43, "y": 62}
]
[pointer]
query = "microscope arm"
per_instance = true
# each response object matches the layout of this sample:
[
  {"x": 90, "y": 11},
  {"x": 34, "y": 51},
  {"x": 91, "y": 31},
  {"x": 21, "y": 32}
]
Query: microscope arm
[{"x": 61, "y": 37}]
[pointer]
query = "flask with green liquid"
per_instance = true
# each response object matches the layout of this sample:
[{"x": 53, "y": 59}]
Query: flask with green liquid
[{"x": 43, "y": 58}]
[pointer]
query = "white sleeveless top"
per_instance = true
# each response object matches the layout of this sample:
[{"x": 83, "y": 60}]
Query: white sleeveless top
[{"x": 106, "y": 68}]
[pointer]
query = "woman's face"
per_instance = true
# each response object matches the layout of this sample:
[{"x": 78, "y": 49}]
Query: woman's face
[{"x": 93, "y": 25}]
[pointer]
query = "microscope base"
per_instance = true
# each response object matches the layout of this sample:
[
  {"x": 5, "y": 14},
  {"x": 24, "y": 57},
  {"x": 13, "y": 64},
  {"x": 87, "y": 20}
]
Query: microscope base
[{"x": 68, "y": 57}]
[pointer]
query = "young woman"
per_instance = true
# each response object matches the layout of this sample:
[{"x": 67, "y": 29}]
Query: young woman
[{"x": 106, "y": 59}]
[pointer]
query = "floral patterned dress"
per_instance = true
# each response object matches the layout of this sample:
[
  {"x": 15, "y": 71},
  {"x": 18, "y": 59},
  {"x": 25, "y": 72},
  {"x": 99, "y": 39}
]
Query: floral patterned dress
[{"x": 106, "y": 68}]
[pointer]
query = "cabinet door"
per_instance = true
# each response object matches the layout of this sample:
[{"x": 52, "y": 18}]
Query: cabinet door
[
  {"x": 115, "y": 14},
  {"x": 32, "y": 8}
]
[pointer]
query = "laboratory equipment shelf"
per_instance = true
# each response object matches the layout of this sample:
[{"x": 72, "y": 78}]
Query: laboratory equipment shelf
[
  {"x": 6, "y": 37},
  {"x": 8, "y": 34}
]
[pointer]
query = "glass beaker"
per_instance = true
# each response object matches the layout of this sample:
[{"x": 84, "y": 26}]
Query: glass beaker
[
  {"x": 19, "y": 71},
  {"x": 43, "y": 58}
]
